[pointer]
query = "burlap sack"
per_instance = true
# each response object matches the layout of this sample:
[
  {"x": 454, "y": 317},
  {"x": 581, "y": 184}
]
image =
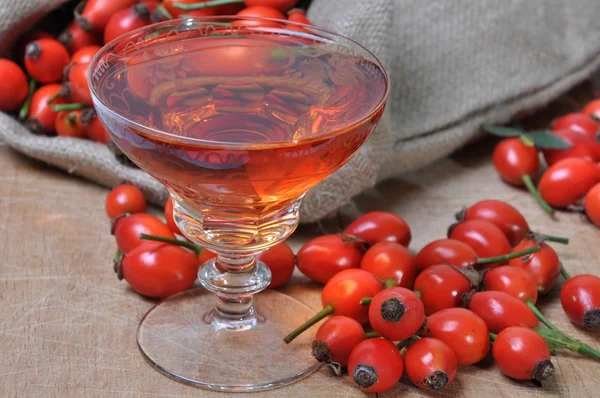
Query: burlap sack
[{"x": 454, "y": 65}]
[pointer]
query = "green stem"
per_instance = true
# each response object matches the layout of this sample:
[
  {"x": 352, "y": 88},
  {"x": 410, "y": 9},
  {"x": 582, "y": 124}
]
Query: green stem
[
  {"x": 536, "y": 194},
  {"x": 389, "y": 283},
  {"x": 54, "y": 97},
  {"x": 553, "y": 238},
  {"x": 67, "y": 107},
  {"x": 371, "y": 335},
  {"x": 564, "y": 272},
  {"x": 24, "y": 111},
  {"x": 163, "y": 11},
  {"x": 71, "y": 118},
  {"x": 407, "y": 342},
  {"x": 197, "y": 6},
  {"x": 366, "y": 300},
  {"x": 326, "y": 311},
  {"x": 188, "y": 245},
  {"x": 541, "y": 317},
  {"x": 585, "y": 349},
  {"x": 506, "y": 257},
  {"x": 118, "y": 255},
  {"x": 493, "y": 336},
  {"x": 559, "y": 340},
  {"x": 418, "y": 293}
]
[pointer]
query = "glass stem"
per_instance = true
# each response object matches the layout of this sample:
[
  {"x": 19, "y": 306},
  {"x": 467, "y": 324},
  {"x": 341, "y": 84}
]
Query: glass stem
[{"x": 234, "y": 278}]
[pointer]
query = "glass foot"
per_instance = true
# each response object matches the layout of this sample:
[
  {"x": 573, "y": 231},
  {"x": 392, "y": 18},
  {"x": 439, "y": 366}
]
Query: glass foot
[{"x": 182, "y": 339}]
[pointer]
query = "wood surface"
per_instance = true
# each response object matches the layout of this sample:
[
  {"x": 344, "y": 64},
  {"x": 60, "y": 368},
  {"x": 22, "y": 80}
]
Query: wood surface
[{"x": 68, "y": 326}]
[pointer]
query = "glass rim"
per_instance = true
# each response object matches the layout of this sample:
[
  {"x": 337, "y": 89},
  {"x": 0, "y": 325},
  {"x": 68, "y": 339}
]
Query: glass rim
[{"x": 179, "y": 139}]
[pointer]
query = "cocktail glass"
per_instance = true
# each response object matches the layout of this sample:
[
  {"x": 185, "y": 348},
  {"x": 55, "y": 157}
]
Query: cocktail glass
[{"x": 238, "y": 118}]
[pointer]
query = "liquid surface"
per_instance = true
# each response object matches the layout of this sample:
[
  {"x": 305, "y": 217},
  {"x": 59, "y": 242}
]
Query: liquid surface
[{"x": 251, "y": 90}]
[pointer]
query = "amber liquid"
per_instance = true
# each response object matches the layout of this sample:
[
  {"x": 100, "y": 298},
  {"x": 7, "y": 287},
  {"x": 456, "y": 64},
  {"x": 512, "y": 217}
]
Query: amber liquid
[{"x": 252, "y": 122}]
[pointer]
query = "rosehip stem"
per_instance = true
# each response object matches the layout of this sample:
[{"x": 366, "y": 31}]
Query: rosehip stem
[
  {"x": 24, "y": 111},
  {"x": 541, "y": 316},
  {"x": 553, "y": 238},
  {"x": 188, "y": 245},
  {"x": 197, "y": 6},
  {"x": 389, "y": 283},
  {"x": 326, "y": 311},
  {"x": 163, "y": 11},
  {"x": 558, "y": 339},
  {"x": 67, "y": 107},
  {"x": 371, "y": 335},
  {"x": 564, "y": 272},
  {"x": 536, "y": 194},
  {"x": 493, "y": 336},
  {"x": 506, "y": 257},
  {"x": 366, "y": 300}
]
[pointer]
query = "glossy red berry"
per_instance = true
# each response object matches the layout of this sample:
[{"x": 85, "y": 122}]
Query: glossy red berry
[
  {"x": 580, "y": 299},
  {"x": 500, "y": 310},
  {"x": 127, "y": 230},
  {"x": 567, "y": 181},
  {"x": 323, "y": 257},
  {"x": 582, "y": 146},
  {"x": 522, "y": 354},
  {"x": 463, "y": 331},
  {"x": 514, "y": 281},
  {"x": 13, "y": 86},
  {"x": 280, "y": 260},
  {"x": 342, "y": 296},
  {"x": 430, "y": 364},
  {"x": 128, "y": 19},
  {"x": 45, "y": 60},
  {"x": 390, "y": 261},
  {"x": 259, "y": 12},
  {"x": 591, "y": 204},
  {"x": 375, "y": 365},
  {"x": 510, "y": 220},
  {"x": 446, "y": 251},
  {"x": 396, "y": 313},
  {"x": 335, "y": 340},
  {"x": 484, "y": 237},
  {"x": 578, "y": 122},
  {"x": 41, "y": 117},
  {"x": 513, "y": 160},
  {"x": 75, "y": 38},
  {"x": 96, "y": 13},
  {"x": 298, "y": 15},
  {"x": 157, "y": 269},
  {"x": 85, "y": 54},
  {"x": 441, "y": 286},
  {"x": 169, "y": 217},
  {"x": 69, "y": 124},
  {"x": 123, "y": 199},
  {"x": 593, "y": 109},
  {"x": 80, "y": 89},
  {"x": 543, "y": 266},
  {"x": 345, "y": 290},
  {"x": 378, "y": 226},
  {"x": 94, "y": 128}
]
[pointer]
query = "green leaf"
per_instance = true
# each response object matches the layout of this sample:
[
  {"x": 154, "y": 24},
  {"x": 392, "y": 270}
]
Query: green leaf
[
  {"x": 554, "y": 340},
  {"x": 546, "y": 140},
  {"x": 502, "y": 131},
  {"x": 527, "y": 140}
]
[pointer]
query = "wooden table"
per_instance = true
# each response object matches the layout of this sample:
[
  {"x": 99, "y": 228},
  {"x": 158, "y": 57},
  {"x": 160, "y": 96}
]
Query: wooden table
[{"x": 68, "y": 326}]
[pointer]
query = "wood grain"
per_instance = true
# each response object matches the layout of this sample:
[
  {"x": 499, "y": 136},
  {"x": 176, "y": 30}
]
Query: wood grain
[{"x": 68, "y": 326}]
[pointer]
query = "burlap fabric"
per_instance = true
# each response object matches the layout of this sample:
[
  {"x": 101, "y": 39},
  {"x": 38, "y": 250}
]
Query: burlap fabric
[{"x": 453, "y": 64}]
